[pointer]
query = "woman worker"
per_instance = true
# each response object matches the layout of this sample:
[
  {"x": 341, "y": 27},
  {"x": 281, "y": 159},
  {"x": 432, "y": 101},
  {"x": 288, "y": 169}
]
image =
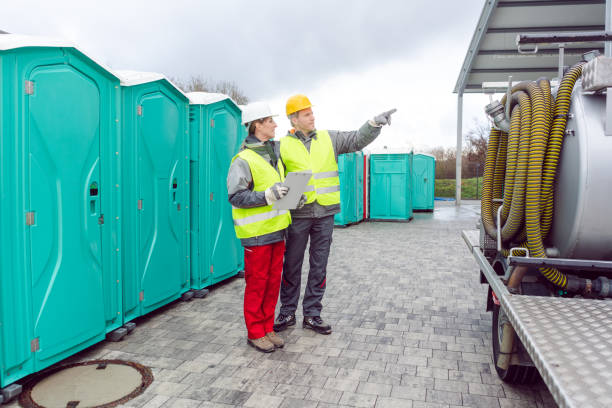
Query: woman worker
[{"x": 254, "y": 183}]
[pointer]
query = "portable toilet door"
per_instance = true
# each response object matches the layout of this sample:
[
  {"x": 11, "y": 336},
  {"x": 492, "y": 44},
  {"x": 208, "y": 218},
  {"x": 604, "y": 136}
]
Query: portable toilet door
[
  {"x": 155, "y": 172},
  {"x": 359, "y": 192},
  {"x": 216, "y": 136},
  {"x": 423, "y": 182},
  {"x": 390, "y": 190},
  {"x": 347, "y": 176},
  {"x": 60, "y": 207}
]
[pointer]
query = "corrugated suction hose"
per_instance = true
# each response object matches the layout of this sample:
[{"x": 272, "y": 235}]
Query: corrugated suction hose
[{"x": 520, "y": 169}]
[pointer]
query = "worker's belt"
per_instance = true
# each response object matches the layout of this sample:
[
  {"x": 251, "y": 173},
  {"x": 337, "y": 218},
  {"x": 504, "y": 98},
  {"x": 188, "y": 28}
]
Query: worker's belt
[{"x": 258, "y": 217}]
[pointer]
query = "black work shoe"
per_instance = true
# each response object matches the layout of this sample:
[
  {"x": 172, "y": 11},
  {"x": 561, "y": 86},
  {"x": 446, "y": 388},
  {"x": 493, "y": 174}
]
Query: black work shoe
[
  {"x": 283, "y": 321},
  {"x": 317, "y": 324}
]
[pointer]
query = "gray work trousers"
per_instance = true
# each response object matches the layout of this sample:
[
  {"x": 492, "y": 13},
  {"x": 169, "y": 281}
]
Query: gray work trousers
[{"x": 320, "y": 232}]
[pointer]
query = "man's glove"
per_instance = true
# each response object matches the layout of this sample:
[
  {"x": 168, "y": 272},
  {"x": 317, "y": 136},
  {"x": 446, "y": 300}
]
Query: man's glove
[
  {"x": 276, "y": 192},
  {"x": 302, "y": 201},
  {"x": 384, "y": 118}
]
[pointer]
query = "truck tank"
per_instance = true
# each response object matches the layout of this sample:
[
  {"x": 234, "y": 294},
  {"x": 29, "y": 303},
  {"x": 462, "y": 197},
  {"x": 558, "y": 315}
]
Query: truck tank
[{"x": 582, "y": 220}]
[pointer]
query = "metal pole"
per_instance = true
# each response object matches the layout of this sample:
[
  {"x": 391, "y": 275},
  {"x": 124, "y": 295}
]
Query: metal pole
[
  {"x": 459, "y": 141},
  {"x": 608, "y": 53}
]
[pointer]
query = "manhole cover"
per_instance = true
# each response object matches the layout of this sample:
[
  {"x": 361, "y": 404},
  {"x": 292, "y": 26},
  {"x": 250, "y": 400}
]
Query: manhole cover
[{"x": 97, "y": 383}]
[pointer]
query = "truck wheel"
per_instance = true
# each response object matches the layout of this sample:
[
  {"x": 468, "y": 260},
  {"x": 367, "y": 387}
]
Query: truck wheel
[{"x": 515, "y": 374}]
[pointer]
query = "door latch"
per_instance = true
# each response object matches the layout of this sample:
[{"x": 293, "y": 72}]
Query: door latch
[
  {"x": 30, "y": 218},
  {"x": 101, "y": 219}
]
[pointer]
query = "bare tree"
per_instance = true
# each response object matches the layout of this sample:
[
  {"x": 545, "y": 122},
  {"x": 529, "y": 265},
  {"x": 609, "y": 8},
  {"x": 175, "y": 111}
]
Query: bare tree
[{"x": 198, "y": 84}]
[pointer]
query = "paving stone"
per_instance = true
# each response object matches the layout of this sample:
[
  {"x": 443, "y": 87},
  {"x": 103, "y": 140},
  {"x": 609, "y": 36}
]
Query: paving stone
[
  {"x": 321, "y": 395},
  {"x": 374, "y": 389},
  {"x": 444, "y": 397},
  {"x": 168, "y": 389},
  {"x": 258, "y": 400},
  {"x": 486, "y": 389},
  {"x": 341, "y": 384},
  {"x": 448, "y": 385},
  {"x": 201, "y": 393},
  {"x": 232, "y": 397},
  {"x": 432, "y": 372},
  {"x": 369, "y": 365},
  {"x": 181, "y": 403},
  {"x": 480, "y": 401},
  {"x": 157, "y": 401},
  {"x": 357, "y": 400},
  {"x": 378, "y": 377},
  {"x": 408, "y": 392},
  {"x": 386, "y": 402},
  {"x": 291, "y": 391},
  {"x": 298, "y": 403}
]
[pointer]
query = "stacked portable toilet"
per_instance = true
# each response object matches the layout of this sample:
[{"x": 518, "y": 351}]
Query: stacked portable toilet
[
  {"x": 216, "y": 135},
  {"x": 423, "y": 182},
  {"x": 350, "y": 171},
  {"x": 60, "y": 249},
  {"x": 390, "y": 191},
  {"x": 155, "y": 175}
]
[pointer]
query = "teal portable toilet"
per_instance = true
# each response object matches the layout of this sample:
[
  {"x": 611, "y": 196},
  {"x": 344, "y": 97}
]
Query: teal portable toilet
[
  {"x": 350, "y": 170},
  {"x": 155, "y": 173},
  {"x": 390, "y": 186},
  {"x": 216, "y": 135},
  {"x": 423, "y": 182},
  {"x": 60, "y": 208}
]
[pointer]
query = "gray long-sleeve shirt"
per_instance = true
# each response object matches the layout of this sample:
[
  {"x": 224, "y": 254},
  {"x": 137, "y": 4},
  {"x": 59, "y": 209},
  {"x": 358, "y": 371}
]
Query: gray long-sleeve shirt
[
  {"x": 342, "y": 142},
  {"x": 240, "y": 186}
]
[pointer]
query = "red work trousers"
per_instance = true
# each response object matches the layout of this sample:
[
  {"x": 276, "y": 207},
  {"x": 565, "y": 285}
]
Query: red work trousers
[{"x": 263, "y": 266}]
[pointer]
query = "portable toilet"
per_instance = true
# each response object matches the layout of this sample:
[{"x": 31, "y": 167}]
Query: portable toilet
[
  {"x": 390, "y": 186},
  {"x": 216, "y": 135},
  {"x": 350, "y": 171},
  {"x": 155, "y": 173},
  {"x": 60, "y": 208},
  {"x": 423, "y": 182}
]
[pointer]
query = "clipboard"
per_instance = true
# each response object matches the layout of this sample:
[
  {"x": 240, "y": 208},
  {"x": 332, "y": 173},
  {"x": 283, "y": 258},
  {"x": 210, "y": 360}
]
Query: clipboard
[{"x": 297, "y": 182}]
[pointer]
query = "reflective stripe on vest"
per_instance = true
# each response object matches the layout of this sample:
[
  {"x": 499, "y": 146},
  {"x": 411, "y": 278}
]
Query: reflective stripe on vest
[
  {"x": 324, "y": 185},
  {"x": 253, "y": 222}
]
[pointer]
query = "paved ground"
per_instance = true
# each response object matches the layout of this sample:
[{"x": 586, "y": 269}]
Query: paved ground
[{"x": 410, "y": 330}]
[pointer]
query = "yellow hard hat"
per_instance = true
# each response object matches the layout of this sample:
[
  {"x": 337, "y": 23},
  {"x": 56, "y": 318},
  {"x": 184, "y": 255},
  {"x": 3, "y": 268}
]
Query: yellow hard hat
[{"x": 297, "y": 103}]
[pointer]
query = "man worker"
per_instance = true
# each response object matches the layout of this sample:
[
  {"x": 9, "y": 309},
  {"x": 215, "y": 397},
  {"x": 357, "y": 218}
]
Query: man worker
[{"x": 306, "y": 149}]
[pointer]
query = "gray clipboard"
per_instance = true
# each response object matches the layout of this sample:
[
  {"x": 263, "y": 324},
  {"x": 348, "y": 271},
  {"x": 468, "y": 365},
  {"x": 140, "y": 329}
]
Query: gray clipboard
[{"x": 297, "y": 182}]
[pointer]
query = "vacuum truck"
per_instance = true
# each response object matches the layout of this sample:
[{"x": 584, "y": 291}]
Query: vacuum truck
[{"x": 544, "y": 241}]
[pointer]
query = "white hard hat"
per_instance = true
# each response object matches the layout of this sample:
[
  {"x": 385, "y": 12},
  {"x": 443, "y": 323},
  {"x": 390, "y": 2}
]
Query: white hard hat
[{"x": 254, "y": 111}]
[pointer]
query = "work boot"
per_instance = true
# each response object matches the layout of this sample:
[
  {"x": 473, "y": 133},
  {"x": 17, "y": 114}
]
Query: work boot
[
  {"x": 275, "y": 339},
  {"x": 283, "y": 321},
  {"x": 262, "y": 344},
  {"x": 317, "y": 324}
]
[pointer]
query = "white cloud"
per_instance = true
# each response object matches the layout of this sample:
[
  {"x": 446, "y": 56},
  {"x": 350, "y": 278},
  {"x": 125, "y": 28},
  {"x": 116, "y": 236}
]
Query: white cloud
[{"x": 422, "y": 94}]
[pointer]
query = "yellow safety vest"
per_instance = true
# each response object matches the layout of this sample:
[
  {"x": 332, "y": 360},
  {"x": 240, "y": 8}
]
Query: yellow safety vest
[
  {"x": 324, "y": 185},
  {"x": 256, "y": 221}
]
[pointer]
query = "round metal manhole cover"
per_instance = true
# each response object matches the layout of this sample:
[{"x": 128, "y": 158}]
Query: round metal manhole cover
[{"x": 97, "y": 383}]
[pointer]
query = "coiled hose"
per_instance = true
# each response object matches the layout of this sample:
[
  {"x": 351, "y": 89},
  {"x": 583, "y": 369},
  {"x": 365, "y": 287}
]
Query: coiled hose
[{"x": 520, "y": 169}]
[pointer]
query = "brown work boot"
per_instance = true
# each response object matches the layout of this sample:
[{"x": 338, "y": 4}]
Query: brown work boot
[
  {"x": 275, "y": 339},
  {"x": 262, "y": 344}
]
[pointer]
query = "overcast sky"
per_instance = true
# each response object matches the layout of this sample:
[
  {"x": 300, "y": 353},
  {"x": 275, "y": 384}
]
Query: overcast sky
[{"x": 354, "y": 59}]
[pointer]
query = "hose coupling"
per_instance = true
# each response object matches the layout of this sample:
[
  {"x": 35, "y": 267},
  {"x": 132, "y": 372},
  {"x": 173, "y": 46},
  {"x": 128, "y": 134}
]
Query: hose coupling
[
  {"x": 497, "y": 113},
  {"x": 602, "y": 286}
]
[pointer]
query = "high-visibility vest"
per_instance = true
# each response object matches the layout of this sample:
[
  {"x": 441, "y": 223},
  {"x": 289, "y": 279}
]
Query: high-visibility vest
[
  {"x": 256, "y": 221},
  {"x": 324, "y": 185}
]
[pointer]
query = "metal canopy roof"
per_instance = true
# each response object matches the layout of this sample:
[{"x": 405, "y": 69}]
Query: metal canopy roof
[{"x": 493, "y": 56}]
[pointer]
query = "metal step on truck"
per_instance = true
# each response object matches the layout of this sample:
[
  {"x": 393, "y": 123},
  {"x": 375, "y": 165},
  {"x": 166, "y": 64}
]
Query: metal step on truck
[{"x": 544, "y": 241}]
